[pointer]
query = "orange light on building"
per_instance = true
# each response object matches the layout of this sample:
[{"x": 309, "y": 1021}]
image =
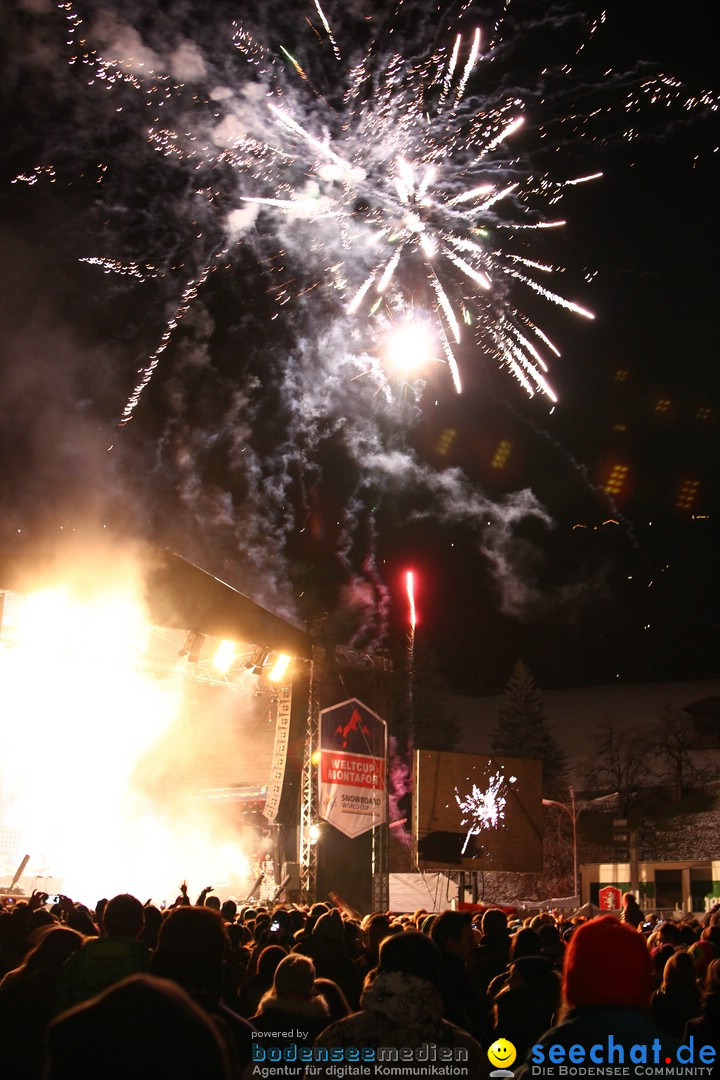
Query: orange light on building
[
  {"x": 688, "y": 494},
  {"x": 621, "y": 375},
  {"x": 662, "y": 404},
  {"x": 616, "y": 480},
  {"x": 445, "y": 441},
  {"x": 502, "y": 454}
]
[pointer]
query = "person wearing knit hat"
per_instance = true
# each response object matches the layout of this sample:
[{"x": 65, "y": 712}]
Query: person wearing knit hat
[
  {"x": 401, "y": 1009},
  {"x": 678, "y": 998},
  {"x": 330, "y": 926},
  {"x": 327, "y": 949},
  {"x": 607, "y": 963},
  {"x": 427, "y": 923},
  {"x": 291, "y": 1013},
  {"x": 607, "y": 986},
  {"x": 375, "y": 927},
  {"x": 703, "y": 953},
  {"x": 294, "y": 977}
]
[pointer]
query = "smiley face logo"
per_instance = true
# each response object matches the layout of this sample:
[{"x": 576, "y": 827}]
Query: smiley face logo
[{"x": 502, "y": 1054}]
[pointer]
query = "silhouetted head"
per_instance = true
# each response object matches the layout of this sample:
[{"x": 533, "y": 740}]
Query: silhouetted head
[
  {"x": 412, "y": 953},
  {"x": 229, "y": 911},
  {"x": 53, "y": 949},
  {"x": 680, "y": 972},
  {"x": 494, "y": 921},
  {"x": 143, "y": 1027},
  {"x": 453, "y": 933},
  {"x": 123, "y": 916},
  {"x": 268, "y": 960},
  {"x": 526, "y": 942},
  {"x": 191, "y": 949}
]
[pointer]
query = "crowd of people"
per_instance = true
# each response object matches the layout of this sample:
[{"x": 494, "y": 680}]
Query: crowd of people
[{"x": 208, "y": 989}]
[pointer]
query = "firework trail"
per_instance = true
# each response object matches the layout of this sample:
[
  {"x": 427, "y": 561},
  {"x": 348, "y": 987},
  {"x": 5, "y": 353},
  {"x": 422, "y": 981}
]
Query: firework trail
[{"x": 410, "y": 591}]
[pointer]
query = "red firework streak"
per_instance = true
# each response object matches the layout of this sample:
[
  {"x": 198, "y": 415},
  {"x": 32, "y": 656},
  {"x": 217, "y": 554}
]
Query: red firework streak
[
  {"x": 410, "y": 661},
  {"x": 410, "y": 589}
]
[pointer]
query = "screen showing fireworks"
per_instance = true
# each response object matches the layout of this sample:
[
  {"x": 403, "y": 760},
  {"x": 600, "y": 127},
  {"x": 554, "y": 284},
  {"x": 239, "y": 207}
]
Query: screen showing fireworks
[{"x": 473, "y": 812}]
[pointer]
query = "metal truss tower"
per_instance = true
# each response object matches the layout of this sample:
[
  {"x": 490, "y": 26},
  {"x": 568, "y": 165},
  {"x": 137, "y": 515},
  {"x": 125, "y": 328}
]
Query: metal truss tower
[
  {"x": 342, "y": 657},
  {"x": 309, "y": 790}
]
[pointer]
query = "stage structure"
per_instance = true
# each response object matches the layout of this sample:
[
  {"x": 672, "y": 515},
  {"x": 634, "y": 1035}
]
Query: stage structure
[
  {"x": 193, "y": 616},
  {"x": 185, "y": 768},
  {"x": 335, "y": 667},
  {"x": 190, "y": 597}
]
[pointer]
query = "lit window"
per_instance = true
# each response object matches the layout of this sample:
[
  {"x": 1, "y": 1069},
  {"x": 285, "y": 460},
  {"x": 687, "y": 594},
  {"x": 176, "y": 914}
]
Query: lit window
[
  {"x": 662, "y": 404},
  {"x": 688, "y": 494},
  {"x": 445, "y": 441},
  {"x": 502, "y": 453},
  {"x": 616, "y": 480},
  {"x": 621, "y": 375}
]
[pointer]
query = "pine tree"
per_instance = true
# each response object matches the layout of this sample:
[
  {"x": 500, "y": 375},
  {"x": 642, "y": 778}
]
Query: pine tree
[{"x": 522, "y": 731}]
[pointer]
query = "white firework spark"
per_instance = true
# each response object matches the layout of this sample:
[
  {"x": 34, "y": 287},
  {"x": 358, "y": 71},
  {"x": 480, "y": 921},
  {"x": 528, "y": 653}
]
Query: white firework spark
[
  {"x": 396, "y": 176},
  {"x": 482, "y": 810},
  {"x": 408, "y": 188}
]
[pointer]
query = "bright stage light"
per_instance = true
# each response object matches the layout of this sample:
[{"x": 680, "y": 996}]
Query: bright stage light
[
  {"x": 280, "y": 668},
  {"x": 313, "y": 834},
  {"x": 224, "y": 656}
]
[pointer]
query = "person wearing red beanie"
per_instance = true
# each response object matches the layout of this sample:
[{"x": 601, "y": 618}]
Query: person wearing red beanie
[
  {"x": 605, "y": 1016},
  {"x": 607, "y": 963}
]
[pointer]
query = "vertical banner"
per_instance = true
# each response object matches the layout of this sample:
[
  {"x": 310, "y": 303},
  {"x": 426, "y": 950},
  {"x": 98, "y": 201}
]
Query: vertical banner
[
  {"x": 280, "y": 750},
  {"x": 353, "y": 764}
]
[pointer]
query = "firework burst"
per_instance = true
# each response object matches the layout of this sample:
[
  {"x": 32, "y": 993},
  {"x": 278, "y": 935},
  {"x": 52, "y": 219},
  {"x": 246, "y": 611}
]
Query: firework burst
[
  {"x": 387, "y": 179},
  {"x": 416, "y": 199},
  {"x": 483, "y": 809}
]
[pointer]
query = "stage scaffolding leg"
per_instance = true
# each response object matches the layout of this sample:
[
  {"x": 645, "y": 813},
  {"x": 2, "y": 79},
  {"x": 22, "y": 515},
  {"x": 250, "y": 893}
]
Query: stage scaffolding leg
[
  {"x": 380, "y": 853},
  {"x": 309, "y": 795}
]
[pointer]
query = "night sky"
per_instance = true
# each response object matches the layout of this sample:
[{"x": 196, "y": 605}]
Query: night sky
[{"x": 579, "y": 535}]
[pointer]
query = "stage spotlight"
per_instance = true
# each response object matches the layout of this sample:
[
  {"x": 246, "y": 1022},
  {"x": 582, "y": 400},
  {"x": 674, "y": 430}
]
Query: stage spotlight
[
  {"x": 224, "y": 656},
  {"x": 259, "y": 658},
  {"x": 314, "y": 833},
  {"x": 280, "y": 667},
  {"x": 193, "y": 646}
]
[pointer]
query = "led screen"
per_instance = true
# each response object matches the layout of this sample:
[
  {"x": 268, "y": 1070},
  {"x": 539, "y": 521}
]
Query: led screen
[{"x": 473, "y": 812}]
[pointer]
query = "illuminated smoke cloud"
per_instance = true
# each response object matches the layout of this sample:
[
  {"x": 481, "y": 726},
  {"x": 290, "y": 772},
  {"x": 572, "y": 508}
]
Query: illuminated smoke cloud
[{"x": 399, "y": 162}]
